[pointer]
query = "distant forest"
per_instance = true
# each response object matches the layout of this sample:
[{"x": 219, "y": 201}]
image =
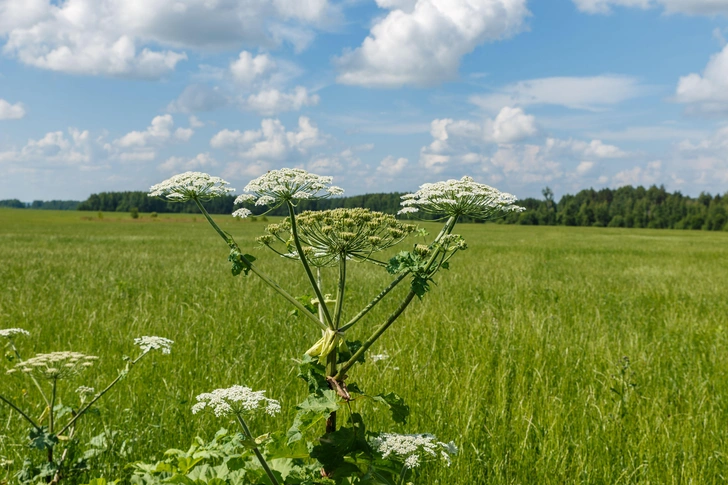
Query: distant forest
[
  {"x": 627, "y": 206},
  {"x": 54, "y": 205}
]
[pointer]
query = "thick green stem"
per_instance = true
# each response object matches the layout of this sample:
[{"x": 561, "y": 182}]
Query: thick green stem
[
  {"x": 100, "y": 394},
  {"x": 302, "y": 257},
  {"x": 374, "y": 302},
  {"x": 447, "y": 229},
  {"x": 331, "y": 371},
  {"x": 304, "y": 311},
  {"x": 340, "y": 293},
  {"x": 27, "y": 418},
  {"x": 262, "y": 461}
]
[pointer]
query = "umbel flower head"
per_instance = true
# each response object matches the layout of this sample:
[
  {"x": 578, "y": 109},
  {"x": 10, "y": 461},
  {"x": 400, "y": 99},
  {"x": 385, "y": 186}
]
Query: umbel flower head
[
  {"x": 190, "y": 186},
  {"x": 287, "y": 184},
  {"x": 463, "y": 197},
  {"x": 56, "y": 365},
  {"x": 154, "y": 343},
  {"x": 412, "y": 449},
  {"x": 11, "y": 333},
  {"x": 330, "y": 235},
  {"x": 236, "y": 400}
]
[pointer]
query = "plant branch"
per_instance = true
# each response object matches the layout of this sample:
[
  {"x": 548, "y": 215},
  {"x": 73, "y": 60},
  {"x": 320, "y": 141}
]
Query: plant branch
[
  {"x": 374, "y": 302},
  {"x": 340, "y": 293},
  {"x": 262, "y": 461},
  {"x": 27, "y": 418},
  {"x": 302, "y": 256},
  {"x": 230, "y": 242}
]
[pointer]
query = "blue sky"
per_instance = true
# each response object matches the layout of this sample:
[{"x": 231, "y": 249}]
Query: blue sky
[{"x": 384, "y": 95}]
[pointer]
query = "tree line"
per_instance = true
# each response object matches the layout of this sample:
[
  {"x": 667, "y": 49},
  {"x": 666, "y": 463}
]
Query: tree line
[{"x": 627, "y": 206}]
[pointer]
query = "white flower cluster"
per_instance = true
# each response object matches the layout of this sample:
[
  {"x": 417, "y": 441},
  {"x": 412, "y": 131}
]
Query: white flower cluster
[
  {"x": 463, "y": 197},
  {"x": 10, "y": 333},
  {"x": 377, "y": 357},
  {"x": 56, "y": 365},
  {"x": 190, "y": 186},
  {"x": 235, "y": 400},
  {"x": 154, "y": 343},
  {"x": 279, "y": 186},
  {"x": 85, "y": 390},
  {"x": 412, "y": 449}
]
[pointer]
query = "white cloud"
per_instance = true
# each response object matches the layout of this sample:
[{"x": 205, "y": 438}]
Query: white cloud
[
  {"x": 114, "y": 38},
  {"x": 142, "y": 146},
  {"x": 184, "y": 134},
  {"x": 247, "y": 69},
  {"x": 391, "y": 166},
  {"x": 512, "y": 125},
  {"x": 690, "y": 7},
  {"x": 649, "y": 175},
  {"x": 589, "y": 93},
  {"x": 180, "y": 164},
  {"x": 424, "y": 46},
  {"x": 11, "y": 111},
  {"x": 594, "y": 149},
  {"x": 707, "y": 92},
  {"x": 406, "y": 5},
  {"x": 271, "y": 141},
  {"x": 52, "y": 150},
  {"x": 584, "y": 167},
  {"x": 158, "y": 131},
  {"x": 269, "y": 102},
  {"x": 195, "y": 123}
]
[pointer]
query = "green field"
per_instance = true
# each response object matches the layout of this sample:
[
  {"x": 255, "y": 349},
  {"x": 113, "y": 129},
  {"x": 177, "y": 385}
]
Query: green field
[{"x": 550, "y": 355}]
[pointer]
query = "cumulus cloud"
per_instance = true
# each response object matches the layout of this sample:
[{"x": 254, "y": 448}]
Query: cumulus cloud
[
  {"x": 271, "y": 141},
  {"x": 588, "y": 93},
  {"x": 113, "y": 38},
  {"x": 512, "y": 125},
  {"x": 648, "y": 175},
  {"x": 139, "y": 146},
  {"x": 689, "y": 7},
  {"x": 423, "y": 44},
  {"x": 269, "y": 102},
  {"x": 707, "y": 92},
  {"x": 247, "y": 69},
  {"x": 11, "y": 111},
  {"x": 391, "y": 166},
  {"x": 594, "y": 149},
  {"x": 54, "y": 149},
  {"x": 198, "y": 97}
]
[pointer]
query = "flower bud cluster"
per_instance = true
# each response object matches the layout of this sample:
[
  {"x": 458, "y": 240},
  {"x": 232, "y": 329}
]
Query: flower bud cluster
[
  {"x": 56, "y": 365},
  {"x": 412, "y": 449},
  {"x": 190, "y": 186},
  {"x": 287, "y": 184},
  {"x": 235, "y": 400},
  {"x": 462, "y": 197}
]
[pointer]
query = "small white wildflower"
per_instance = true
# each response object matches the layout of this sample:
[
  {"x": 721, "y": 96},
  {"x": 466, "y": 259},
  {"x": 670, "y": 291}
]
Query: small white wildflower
[
  {"x": 379, "y": 357},
  {"x": 84, "y": 390},
  {"x": 278, "y": 186},
  {"x": 411, "y": 449},
  {"x": 235, "y": 400},
  {"x": 10, "y": 333},
  {"x": 463, "y": 197},
  {"x": 190, "y": 186},
  {"x": 154, "y": 343},
  {"x": 242, "y": 213}
]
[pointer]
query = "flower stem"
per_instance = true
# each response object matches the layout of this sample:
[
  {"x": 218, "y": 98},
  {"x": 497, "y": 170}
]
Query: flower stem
[
  {"x": 374, "y": 302},
  {"x": 98, "y": 396},
  {"x": 262, "y": 461},
  {"x": 340, "y": 294},
  {"x": 447, "y": 229},
  {"x": 27, "y": 418},
  {"x": 302, "y": 256},
  {"x": 304, "y": 311}
]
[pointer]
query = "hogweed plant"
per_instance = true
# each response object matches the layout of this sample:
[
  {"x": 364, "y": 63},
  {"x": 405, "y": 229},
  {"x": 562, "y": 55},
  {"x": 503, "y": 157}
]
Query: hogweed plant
[
  {"x": 316, "y": 448},
  {"x": 51, "y": 373}
]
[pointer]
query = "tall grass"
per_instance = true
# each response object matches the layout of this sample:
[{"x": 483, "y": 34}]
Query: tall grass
[{"x": 550, "y": 355}]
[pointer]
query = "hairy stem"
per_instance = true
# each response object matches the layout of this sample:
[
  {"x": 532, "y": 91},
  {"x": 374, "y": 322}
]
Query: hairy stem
[
  {"x": 230, "y": 242},
  {"x": 340, "y": 293},
  {"x": 262, "y": 461},
  {"x": 25, "y": 416},
  {"x": 302, "y": 256},
  {"x": 331, "y": 371}
]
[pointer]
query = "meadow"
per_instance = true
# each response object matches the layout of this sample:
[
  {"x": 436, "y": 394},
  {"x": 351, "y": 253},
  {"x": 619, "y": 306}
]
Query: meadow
[{"x": 550, "y": 355}]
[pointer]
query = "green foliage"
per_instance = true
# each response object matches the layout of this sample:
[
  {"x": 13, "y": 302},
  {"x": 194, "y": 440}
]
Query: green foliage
[
  {"x": 240, "y": 262},
  {"x": 134, "y": 212},
  {"x": 400, "y": 410}
]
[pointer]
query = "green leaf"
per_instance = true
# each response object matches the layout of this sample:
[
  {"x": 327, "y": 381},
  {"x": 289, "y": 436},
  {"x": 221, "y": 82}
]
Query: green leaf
[
  {"x": 313, "y": 373},
  {"x": 278, "y": 447},
  {"x": 41, "y": 439},
  {"x": 241, "y": 264},
  {"x": 348, "y": 350},
  {"x": 400, "y": 410},
  {"x": 316, "y": 408},
  {"x": 420, "y": 285},
  {"x": 445, "y": 265}
]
